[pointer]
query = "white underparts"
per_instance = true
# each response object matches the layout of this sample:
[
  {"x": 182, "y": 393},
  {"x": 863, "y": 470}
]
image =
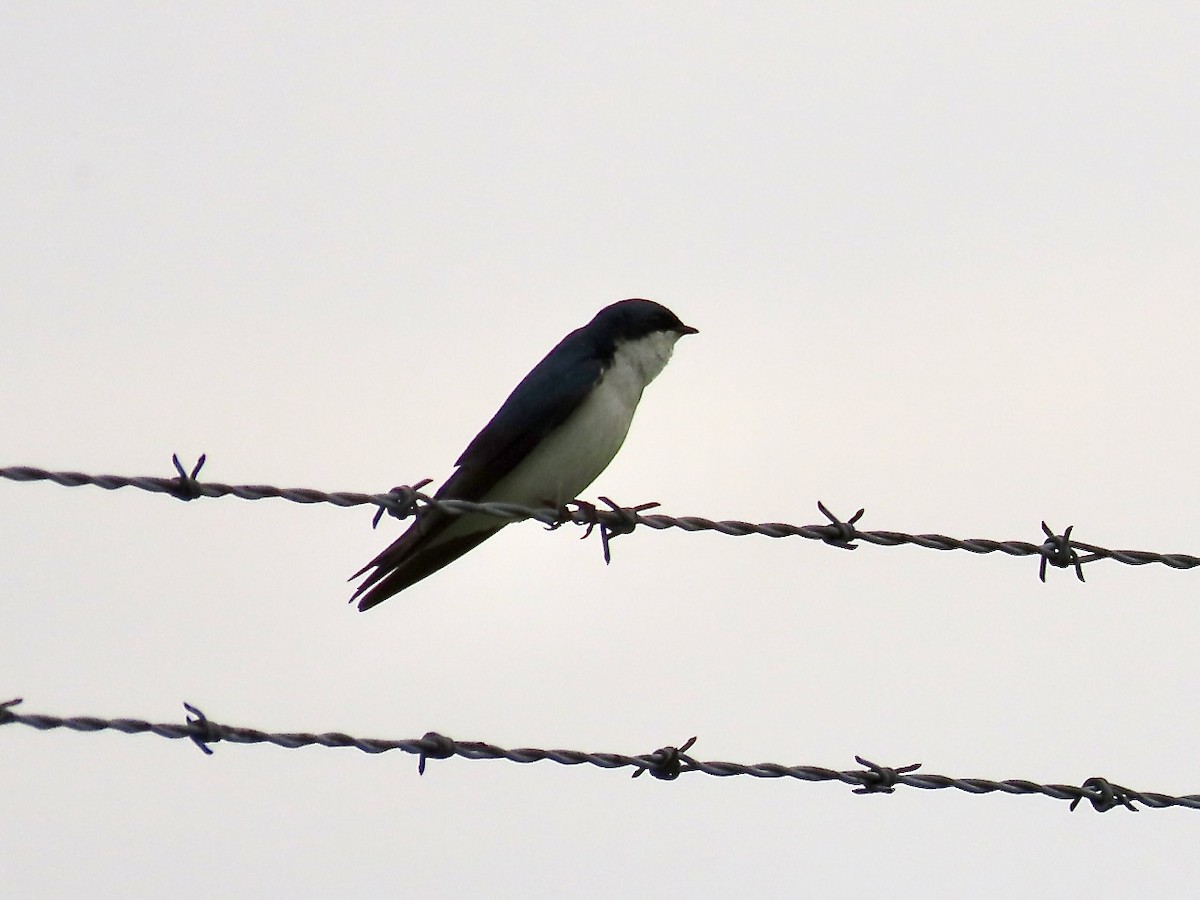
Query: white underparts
[{"x": 574, "y": 455}]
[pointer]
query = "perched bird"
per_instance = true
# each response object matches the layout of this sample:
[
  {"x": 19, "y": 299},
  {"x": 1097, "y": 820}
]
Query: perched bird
[{"x": 556, "y": 432}]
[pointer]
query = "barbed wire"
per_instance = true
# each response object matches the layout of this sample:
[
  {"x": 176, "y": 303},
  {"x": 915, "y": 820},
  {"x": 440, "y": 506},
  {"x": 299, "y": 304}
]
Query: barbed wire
[
  {"x": 666, "y": 763},
  {"x": 1058, "y": 550}
]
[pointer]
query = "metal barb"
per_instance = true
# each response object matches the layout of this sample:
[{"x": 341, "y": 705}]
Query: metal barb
[
  {"x": 667, "y": 763},
  {"x": 202, "y": 731},
  {"x": 186, "y": 485},
  {"x": 434, "y": 746},
  {"x": 585, "y": 514},
  {"x": 840, "y": 533},
  {"x": 1107, "y": 795},
  {"x": 6, "y": 710},
  {"x": 405, "y": 497},
  {"x": 881, "y": 779},
  {"x": 1058, "y": 552},
  {"x": 623, "y": 520}
]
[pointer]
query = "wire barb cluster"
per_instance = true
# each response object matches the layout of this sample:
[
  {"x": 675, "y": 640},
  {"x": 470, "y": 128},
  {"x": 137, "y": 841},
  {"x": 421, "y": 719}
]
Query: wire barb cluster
[
  {"x": 1058, "y": 550},
  {"x": 665, "y": 764}
]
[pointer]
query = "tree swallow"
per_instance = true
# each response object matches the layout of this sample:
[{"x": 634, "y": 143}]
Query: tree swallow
[{"x": 552, "y": 438}]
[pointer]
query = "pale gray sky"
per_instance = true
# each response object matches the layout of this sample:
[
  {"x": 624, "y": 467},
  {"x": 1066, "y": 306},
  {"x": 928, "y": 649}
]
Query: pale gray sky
[{"x": 943, "y": 261}]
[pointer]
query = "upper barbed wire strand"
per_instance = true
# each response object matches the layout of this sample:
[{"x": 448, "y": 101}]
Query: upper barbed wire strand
[{"x": 1058, "y": 550}]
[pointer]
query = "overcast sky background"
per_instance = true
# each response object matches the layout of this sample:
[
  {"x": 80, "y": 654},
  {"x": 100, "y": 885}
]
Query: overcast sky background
[{"x": 943, "y": 260}]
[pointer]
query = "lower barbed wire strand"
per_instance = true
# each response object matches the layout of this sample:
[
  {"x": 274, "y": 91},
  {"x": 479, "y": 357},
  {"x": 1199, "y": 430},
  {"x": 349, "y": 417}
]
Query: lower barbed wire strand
[{"x": 667, "y": 763}]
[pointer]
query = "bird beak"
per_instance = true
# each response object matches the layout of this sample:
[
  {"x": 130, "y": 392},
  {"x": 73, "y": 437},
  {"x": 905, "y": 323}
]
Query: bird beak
[{"x": 688, "y": 329}]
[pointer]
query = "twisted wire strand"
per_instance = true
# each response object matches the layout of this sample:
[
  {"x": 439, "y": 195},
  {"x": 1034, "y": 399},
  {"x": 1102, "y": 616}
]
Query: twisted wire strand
[
  {"x": 666, "y": 763},
  {"x": 1057, "y": 550}
]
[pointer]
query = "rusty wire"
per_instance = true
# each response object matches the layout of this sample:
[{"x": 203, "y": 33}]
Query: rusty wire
[
  {"x": 1057, "y": 549},
  {"x": 666, "y": 763}
]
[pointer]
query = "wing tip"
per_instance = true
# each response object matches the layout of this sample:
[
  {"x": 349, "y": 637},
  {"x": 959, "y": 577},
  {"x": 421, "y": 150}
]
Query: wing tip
[
  {"x": 390, "y": 578},
  {"x": 377, "y": 588}
]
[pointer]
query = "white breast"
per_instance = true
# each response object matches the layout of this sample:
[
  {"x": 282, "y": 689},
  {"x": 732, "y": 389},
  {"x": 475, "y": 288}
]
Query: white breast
[{"x": 574, "y": 455}]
